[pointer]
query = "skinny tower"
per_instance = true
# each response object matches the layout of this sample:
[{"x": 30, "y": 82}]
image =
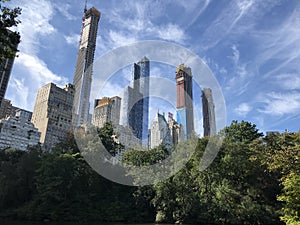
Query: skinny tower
[
  {"x": 208, "y": 108},
  {"x": 184, "y": 98},
  {"x": 84, "y": 66}
]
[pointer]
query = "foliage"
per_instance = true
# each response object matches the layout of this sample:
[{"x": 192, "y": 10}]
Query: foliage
[
  {"x": 8, "y": 39},
  {"x": 281, "y": 154},
  {"x": 106, "y": 134},
  {"x": 252, "y": 179}
]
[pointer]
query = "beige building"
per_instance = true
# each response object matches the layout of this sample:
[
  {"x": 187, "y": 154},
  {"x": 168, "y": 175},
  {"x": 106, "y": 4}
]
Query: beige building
[
  {"x": 107, "y": 110},
  {"x": 176, "y": 131},
  {"x": 52, "y": 113}
]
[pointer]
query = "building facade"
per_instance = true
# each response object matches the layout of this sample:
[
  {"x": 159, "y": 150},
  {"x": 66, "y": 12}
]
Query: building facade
[
  {"x": 18, "y": 132},
  {"x": 160, "y": 132},
  {"x": 107, "y": 110},
  {"x": 7, "y": 109},
  {"x": 176, "y": 131},
  {"x": 208, "y": 109},
  {"x": 184, "y": 99},
  {"x": 52, "y": 113},
  {"x": 84, "y": 67}
]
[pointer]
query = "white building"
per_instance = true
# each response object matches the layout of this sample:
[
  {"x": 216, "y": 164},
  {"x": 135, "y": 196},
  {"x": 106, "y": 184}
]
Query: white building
[
  {"x": 160, "y": 132},
  {"x": 18, "y": 132}
]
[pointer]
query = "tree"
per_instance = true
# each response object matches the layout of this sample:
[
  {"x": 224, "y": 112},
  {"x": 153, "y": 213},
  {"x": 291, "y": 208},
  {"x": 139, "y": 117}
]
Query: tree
[
  {"x": 106, "y": 134},
  {"x": 281, "y": 154},
  {"x": 9, "y": 40}
]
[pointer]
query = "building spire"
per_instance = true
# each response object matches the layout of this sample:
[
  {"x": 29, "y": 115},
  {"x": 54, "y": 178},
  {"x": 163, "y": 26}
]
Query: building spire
[{"x": 85, "y": 9}]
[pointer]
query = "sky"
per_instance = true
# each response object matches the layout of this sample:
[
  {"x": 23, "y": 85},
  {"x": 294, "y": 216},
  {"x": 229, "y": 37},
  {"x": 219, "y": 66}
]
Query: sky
[{"x": 250, "y": 46}]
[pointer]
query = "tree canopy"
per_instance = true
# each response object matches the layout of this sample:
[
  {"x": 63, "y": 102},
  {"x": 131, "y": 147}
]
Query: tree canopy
[{"x": 9, "y": 39}]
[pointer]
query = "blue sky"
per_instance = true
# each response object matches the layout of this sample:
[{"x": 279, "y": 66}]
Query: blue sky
[{"x": 251, "y": 46}]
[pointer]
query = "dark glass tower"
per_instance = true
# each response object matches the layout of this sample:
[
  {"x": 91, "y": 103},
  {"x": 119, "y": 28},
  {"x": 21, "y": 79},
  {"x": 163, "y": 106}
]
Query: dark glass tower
[
  {"x": 84, "y": 66},
  {"x": 208, "y": 109},
  {"x": 184, "y": 98},
  {"x": 5, "y": 71},
  {"x": 144, "y": 73}
]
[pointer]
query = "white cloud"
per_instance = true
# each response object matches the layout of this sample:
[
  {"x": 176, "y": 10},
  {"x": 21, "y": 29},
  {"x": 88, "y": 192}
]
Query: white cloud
[
  {"x": 38, "y": 70},
  {"x": 64, "y": 8},
  {"x": 279, "y": 104},
  {"x": 35, "y": 19},
  {"x": 243, "y": 109},
  {"x": 21, "y": 91},
  {"x": 171, "y": 33},
  {"x": 36, "y": 16},
  {"x": 120, "y": 39},
  {"x": 289, "y": 81},
  {"x": 72, "y": 39},
  {"x": 281, "y": 43}
]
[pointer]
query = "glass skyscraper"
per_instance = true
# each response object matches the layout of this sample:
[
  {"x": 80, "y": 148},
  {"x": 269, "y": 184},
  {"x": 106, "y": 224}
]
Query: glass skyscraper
[{"x": 144, "y": 74}]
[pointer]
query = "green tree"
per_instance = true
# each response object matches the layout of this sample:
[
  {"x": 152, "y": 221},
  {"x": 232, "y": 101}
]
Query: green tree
[
  {"x": 8, "y": 39},
  {"x": 281, "y": 154},
  {"x": 106, "y": 134}
]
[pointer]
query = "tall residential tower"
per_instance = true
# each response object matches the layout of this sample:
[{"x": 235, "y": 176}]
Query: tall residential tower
[
  {"x": 184, "y": 99},
  {"x": 208, "y": 108},
  {"x": 84, "y": 66}
]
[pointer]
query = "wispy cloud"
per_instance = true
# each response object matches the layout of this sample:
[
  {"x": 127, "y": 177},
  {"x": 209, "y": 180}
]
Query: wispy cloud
[
  {"x": 72, "y": 39},
  {"x": 35, "y": 17},
  {"x": 289, "y": 81},
  {"x": 243, "y": 109},
  {"x": 279, "y": 104}
]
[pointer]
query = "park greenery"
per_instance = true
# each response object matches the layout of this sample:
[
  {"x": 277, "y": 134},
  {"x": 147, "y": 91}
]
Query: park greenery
[
  {"x": 254, "y": 179},
  {"x": 9, "y": 39}
]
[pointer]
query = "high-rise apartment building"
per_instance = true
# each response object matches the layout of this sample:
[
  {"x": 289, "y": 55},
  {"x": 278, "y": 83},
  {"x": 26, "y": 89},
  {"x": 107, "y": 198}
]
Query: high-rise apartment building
[
  {"x": 52, "y": 113},
  {"x": 18, "y": 132},
  {"x": 107, "y": 110},
  {"x": 208, "y": 108},
  {"x": 84, "y": 67},
  {"x": 184, "y": 99}
]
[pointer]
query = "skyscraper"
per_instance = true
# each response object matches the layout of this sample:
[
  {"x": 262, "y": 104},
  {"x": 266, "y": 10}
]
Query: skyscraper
[
  {"x": 135, "y": 104},
  {"x": 144, "y": 73},
  {"x": 208, "y": 108},
  {"x": 84, "y": 66},
  {"x": 184, "y": 98},
  {"x": 52, "y": 113}
]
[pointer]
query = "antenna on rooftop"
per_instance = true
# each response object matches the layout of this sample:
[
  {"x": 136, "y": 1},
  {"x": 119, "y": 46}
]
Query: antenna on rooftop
[{"x": 85, "y": 6}]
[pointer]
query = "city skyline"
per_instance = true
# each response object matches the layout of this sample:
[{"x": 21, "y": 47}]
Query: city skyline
[{"x": 253, "y": 59}]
